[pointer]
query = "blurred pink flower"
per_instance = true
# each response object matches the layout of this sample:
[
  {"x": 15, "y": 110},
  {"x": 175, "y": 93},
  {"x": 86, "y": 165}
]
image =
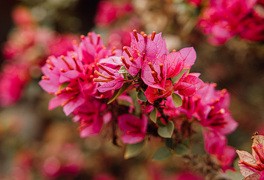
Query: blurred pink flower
[
  {"x": 223, "y": 19},
  {"x": 13, "y": 78},
  {"x": 65, "y": 159},
  {"x": 216, "y": 145},
  {"x": 119, "y": 38},
  {"x": 108, "y": 12},
  {"x": 213, "y": 110},
  {"x": 133, "y": 128},
  {"x": 22, "y": 17},
  {"x": 91, "y": 117},
  {"x": 61, "y": 44},
  {"x": 253, "y": 164},
  {"x": 104, "y": 176},
  {"x": 195, "y": 2}
]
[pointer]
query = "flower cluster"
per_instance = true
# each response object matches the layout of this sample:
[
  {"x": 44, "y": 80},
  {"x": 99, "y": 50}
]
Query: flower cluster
[
  {"x": 223, "y": 19},
  {"x": 252, "y": 166},
  {"x": 141, "y": 90}
]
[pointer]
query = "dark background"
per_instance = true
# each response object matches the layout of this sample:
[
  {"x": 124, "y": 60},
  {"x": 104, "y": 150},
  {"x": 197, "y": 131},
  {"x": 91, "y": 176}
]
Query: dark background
[{"x": 85, "y": 11}]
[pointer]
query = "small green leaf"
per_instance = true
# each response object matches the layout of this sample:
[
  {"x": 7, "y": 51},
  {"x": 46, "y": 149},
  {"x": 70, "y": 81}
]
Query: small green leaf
[
  {"x": 175, "y": 79},
  {"x": 166, "y": 131},
  {"x": 141, "y": 96},
  {"x": 122, "y": 70},
  {"x": 119, "y": 92},
  {"x": 123, "y": 102},
  {"x": 64, "y": 85},
  {"x": 162, "y": 153},
  {"x": 177, "y": 100},
  {"x": 133, "y": 150},
  {"x": 133, "y": 95},
  {"x": 153, "y": 115},
  {"x": 181, "y": 149}
]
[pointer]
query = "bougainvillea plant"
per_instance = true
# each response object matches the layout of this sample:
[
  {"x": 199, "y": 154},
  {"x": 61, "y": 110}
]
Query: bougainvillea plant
[{"x": 139, "y": 91}]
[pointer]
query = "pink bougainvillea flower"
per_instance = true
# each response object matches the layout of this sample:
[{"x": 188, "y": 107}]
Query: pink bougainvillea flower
[
  {"x": 133, "y": 128},
  {"x": 153, "y": 94},
  {"x": 188, "y": 84},
  {"x": 155, "y": 72},
  {"x": 70, "y": 78},
  {"x": 253, "y": 164},
  {"x": 91, "y": 48},
  {"x": 148, "y": 54},
  {"x": 90, "y": 116},
  {"x": 143, "y": 49},
  {"x": 109, "y": 77},
  {"x": 216, "y": 145},
  {"x": 12, "y": 81},
  {"x": 67, "y": 78}
]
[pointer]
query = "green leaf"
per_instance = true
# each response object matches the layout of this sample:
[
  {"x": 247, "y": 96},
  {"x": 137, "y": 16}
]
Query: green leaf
[
  {"x": 177, "y": 100},
  {"x": 162, "y": 153},
  {"x": 122, "y": 70},
  {"x": 141, "y": 96},
  {"x": 119, "y": 92},
  {"x": 181, "y": 149},
  {"x": 175, "y": 79},
  {"x": 153, "y": 115},
  {"x": 166, "y": 131},
  {"x": 123, "y": 102},
  {"x": 133, "y": 95},
  {"x": 133, "y": 150}
]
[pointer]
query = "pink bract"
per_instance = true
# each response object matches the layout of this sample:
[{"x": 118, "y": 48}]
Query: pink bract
[
  {"x": 133, "y": 128},
  {"x": 109, "y": 77},
  {"x": 90, "y": 116},
  {"x": 250, "y": 164}
]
